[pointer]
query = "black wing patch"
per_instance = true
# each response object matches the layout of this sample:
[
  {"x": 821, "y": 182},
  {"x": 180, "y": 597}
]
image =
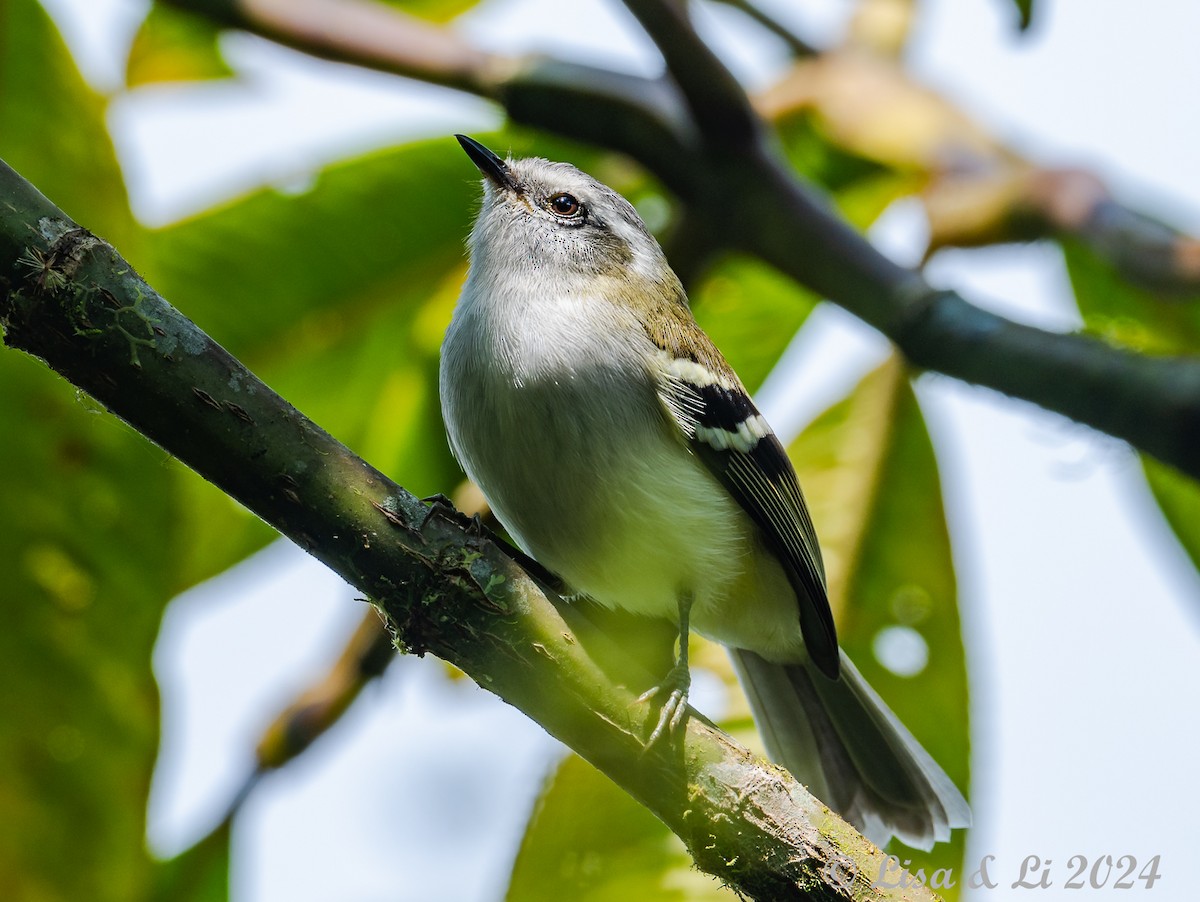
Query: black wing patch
[{"x": 730, "y": 436}]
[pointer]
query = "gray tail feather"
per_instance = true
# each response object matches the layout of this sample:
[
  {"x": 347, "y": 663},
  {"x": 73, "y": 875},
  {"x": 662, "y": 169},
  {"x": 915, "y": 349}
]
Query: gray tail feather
[{"x": 839, "y": 739}]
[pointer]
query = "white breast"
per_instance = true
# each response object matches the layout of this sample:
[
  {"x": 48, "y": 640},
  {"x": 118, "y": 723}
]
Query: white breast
[{"x": 571, "y": 447}]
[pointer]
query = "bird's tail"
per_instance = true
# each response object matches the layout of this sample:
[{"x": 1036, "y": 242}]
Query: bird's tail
[{"x": 839, "y": 739}]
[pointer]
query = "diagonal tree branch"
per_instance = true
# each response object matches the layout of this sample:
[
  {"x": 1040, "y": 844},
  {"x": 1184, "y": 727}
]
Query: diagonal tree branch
[
  {"x": 71, "y": 300},
  {"x": 365, "y": 656}
]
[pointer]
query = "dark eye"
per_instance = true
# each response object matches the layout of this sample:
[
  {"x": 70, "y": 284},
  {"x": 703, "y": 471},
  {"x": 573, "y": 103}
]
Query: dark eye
[{"x": 565, "y": 204}]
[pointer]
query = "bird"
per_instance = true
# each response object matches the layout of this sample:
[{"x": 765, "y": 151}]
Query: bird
[{"x": 621, "y": 451}]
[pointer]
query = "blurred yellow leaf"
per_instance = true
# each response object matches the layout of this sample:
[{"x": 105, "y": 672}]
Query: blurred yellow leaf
[{"x": 870, "y": 106}]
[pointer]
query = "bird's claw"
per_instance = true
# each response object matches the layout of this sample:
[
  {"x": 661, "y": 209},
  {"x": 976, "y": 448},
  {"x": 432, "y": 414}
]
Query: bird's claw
[{"x": 674, "y": 708}]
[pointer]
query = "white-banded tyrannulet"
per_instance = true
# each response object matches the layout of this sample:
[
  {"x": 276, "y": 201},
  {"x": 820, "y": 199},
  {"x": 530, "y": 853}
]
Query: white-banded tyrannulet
[{"x": 619, "y": 449}]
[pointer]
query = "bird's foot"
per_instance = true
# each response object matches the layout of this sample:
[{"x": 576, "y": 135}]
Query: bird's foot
[{"x": 674, "y": 707}]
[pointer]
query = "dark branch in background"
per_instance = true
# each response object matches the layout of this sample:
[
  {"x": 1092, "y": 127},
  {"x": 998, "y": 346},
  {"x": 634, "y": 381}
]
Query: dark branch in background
[
  {"x": 718, "y": 105},
  {"x": 69, "y": 299},
  {"x": 765, "y": 210},
  {"x": 692, "y": 245},
  {"x": 1152, "y": 402}
]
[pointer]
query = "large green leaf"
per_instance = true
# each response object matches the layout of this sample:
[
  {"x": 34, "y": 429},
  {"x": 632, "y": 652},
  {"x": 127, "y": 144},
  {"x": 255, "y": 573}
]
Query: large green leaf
[
  {"x": 338, "y": 297},
  {"x": 84, "y": 540},
  {"x": 375, "y": 386},
  {"x": 52, "y": 125},
  {"x": 273, "y": 269},
  {"x": 869, "y": 474}
]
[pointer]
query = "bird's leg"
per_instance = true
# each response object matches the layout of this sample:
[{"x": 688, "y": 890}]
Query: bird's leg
[{"x": 677, "y": 682}]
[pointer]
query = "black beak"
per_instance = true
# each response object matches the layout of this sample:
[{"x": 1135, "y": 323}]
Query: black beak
[{"x": 489, "y": 164}]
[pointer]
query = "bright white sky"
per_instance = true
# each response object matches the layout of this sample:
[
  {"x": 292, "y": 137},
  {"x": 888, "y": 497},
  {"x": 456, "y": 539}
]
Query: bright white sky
[{"x": 1080, "y": 610}]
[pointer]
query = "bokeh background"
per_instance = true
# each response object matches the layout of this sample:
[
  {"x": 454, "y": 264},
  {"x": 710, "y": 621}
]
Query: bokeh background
[{"x": 1078, "y": 603}]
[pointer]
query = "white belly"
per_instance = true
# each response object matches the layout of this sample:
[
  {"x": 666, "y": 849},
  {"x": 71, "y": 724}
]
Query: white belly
[{"x": 604, "y": 493}]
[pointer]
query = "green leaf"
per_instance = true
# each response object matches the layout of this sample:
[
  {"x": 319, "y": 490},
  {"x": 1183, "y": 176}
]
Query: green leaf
[
  {"x": 869, "y": 473},
  {"x": 1178, "y": 497},
  {"x": 375, "y": 386},
  {"x": 173, "y": 44},
  {"x": 85, "y": 525},
  {"x": 589, "y": 841},
  {"x": 275, "y": 268},
  {"x": 338, "y": 297},
  {"x": 811, "y": 153},
  {"x": 863, "y": 201},
  {"x": 84, "y": 546},
  {"x": 52, "y": 127},
  {"x": 1126, "y": 314},
  {"x": 751, "y": 312}
]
